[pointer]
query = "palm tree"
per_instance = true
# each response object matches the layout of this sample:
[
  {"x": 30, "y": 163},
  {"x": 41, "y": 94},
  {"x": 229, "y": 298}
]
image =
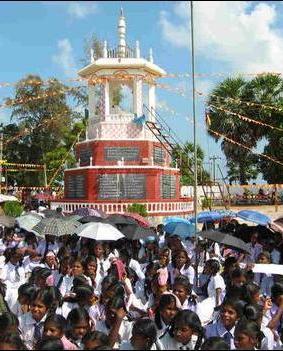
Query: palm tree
[{"x": 183, "y": 155}]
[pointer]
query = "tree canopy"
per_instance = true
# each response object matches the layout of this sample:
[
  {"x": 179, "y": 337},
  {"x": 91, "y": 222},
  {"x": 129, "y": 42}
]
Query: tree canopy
[{"x": 258, "y": 99}]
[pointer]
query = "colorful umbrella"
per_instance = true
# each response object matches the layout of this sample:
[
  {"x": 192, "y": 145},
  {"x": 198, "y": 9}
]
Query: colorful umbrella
[{"x": 141, "y": 220}]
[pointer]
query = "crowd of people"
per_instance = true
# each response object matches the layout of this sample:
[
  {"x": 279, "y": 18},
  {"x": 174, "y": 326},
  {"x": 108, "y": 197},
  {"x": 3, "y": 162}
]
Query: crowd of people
[{"x": 158, "y": 293}]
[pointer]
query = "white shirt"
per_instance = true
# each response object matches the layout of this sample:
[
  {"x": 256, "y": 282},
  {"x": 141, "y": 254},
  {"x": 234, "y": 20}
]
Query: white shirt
[
  {"x": 168, "y": 343},
  {"x": 26, "y": 325},
  {"x": 10, "y": 277},
  {"x": 216, "y": 282},
  {"x": 218, "y": 329},
  {"x": 51, "y": 247},
  {"x": 137, "y": 268},
  {"x": 66, "y": 284},
  {"x": 125, "y": 331}
]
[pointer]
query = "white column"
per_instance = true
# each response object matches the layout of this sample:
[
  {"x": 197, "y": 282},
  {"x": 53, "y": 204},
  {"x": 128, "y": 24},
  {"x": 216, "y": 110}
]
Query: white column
[
  {"x": 106, "y": 99},
  {"x": 137, "y": 96},
  {"x": 151, "y": 100}
]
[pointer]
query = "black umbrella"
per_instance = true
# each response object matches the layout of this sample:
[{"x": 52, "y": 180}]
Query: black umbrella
[
  {"x": 52, "y": 214},
  {"x": 88, "y": 219},
  {"x": 120, "y": 219},
  {"x": 225, "y": 239},
  {"x": 136, "y": 233}
]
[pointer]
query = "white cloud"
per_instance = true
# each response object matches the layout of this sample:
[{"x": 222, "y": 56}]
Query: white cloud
[
  {"x": 234, "y": 33},
  {"x": 81, "y": 10},
  {"x": 64, "y": 57}
]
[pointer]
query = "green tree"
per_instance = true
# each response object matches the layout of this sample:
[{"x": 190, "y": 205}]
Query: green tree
[
  {"x": 231, "y": 95},
  {"x": 183, "y": 155},
  {"x": 45, "y": 118},
  {"x": 138, "y": 208}
]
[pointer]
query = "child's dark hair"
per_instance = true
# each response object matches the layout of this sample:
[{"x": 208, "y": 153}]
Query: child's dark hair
[
  {"x": 165, "y": 300},
  {"x": 185, "y": 282},
  {"x": 145, "y": 327},
  {"x": 276, "y": 290},
  {"x": 9, "y": 253},
  {"x": 215, "y": 343},
  {"x": 65, "y": 260},
  {"x": 49, "y": 343},
  {"x": 58, "y": 320},
  {"x": 177, "y": 253},
  {"x": 253, "y": 312},
  {"x": 117, "y": 302},
  {"x": 90, "y": 258},
  {"x": 252, "y": 288},
  {"x": 237, "y": 305},
  {"x": 79, "y": 280},
  {"x": 250, "y": 328},
  {"x": 51, "y": 298},
  {"x": 75, "y": 316},
  {"x": 214, "y": 266},
  {"x": 14, "y": 340},
  {"x": 83, "y": 292},
  {"x": 28, "y": 291},
  {"x": 190, "y": 319},
  {"x": 96, "y": 335},
  {"x": 7, "y": 320}
]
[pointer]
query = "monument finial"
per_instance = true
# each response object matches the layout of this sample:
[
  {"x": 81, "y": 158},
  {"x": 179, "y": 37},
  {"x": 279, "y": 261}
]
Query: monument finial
[{"x": 122, "y": 34}]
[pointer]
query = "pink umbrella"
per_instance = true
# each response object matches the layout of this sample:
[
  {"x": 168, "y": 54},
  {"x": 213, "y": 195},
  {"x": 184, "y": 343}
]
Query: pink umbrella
[{"x": 141, "y": 221}]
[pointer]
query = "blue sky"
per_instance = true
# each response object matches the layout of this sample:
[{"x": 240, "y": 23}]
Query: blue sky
[{"x": 46, "y": 38}]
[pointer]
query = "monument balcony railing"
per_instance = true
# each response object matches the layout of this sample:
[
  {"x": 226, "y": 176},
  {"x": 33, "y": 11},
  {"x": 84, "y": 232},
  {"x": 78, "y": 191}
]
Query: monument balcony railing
[
  {"x": 152, "y": 207},
  {"x": 115, "y": 52},
  {"x": 112, "y": 117}
]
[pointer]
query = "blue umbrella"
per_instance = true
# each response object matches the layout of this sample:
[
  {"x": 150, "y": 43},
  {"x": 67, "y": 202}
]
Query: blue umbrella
[
  {"x": 254, "y": 216},
  {"x": 207, "y": 216},
  {"x": 175, "y": 219},
  {"x": 182, "y": 229}
]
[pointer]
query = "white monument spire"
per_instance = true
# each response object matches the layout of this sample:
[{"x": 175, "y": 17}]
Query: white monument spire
[{"x": 122, "y": 34}]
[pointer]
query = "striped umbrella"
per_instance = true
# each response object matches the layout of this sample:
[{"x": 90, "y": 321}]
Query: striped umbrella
[
  {"x": 55, "y": 226},
  {"x": 28, "y": 221}
]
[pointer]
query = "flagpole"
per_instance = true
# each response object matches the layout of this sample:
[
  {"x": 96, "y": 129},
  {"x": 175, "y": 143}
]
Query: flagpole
[{"x": 194, "y": 116}]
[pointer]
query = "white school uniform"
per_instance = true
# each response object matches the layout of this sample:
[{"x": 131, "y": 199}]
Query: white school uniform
[
  {"x": 67, "y": 282},
  {"x": 13, "y": 281},
  {"x": 26, "y": 326},
  {"x": 168, "y": 343},
  {"x": 218, "y": 329},
  {"x": 188, "y": 272},
  {"x": 163, "y": 329},
  {"x": 216, "y": 282},
  {"x": 125, "y": 331},
  {"x": 51, "y": 247}
]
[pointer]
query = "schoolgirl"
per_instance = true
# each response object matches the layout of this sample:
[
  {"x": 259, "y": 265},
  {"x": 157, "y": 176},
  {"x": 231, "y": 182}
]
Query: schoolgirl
[
  {"x": 144, "y": 336},
  {"x": 182, "y": 288},
  {"x": 90, "y": 268},
  {"x": 63, "y": 279},
  {"x": 50, "y": 261},
  {"x": 94, "y": 340},
  {"x": 215, "y": 343},
  {"x": 247, "y": 336},
  {"x": 77, "y": 269},
  {"x": 181, "y": 265},
  {"x": 116, "y": 324},
  {"x": 26, "y": 295},
  {"x": 13, "y": 274},
  {"x": 55, "y": 326},
  {"x": 78, "y": 325},
  {"x": 230, "y": 313},
  {"x": 103, "y": 263},
  {"x": 165, "y": 312},
  {"x": 185, "y": 332},
  {"x": 31, "y": 323},
  {"x": 254, "y": 312}
]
